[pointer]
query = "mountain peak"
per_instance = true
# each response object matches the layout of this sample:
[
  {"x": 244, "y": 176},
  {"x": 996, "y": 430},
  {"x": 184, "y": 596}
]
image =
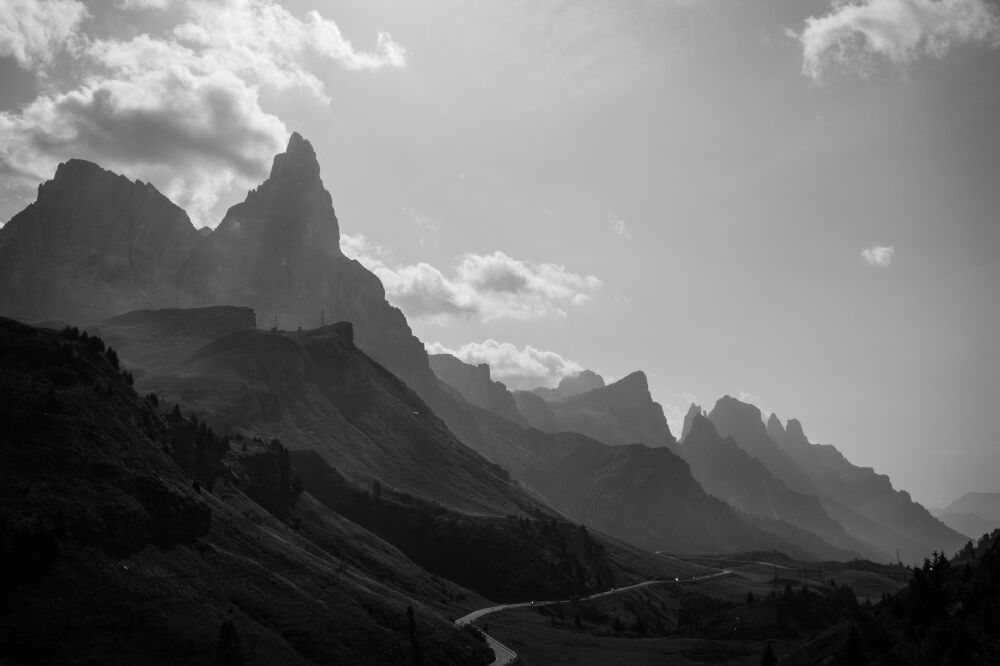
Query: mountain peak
[
  {"x": 699, "y": 426},
  {"x": 693, "y": 412},
  {"x": 633, "y": 383},
  {"x": 581, "y": 382},
  {"x": 93, "y": 244},
  {"x": 794, "y": 429},
  {"x": 774, "y": 424},
  {"x": 297, "y": 162},
  {"x": 736, "y": 406}
]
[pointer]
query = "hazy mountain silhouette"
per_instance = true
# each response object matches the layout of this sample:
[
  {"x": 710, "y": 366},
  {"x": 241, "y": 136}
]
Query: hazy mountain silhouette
[
  {"x": 151, "y": 340},
  {"x": 586, "y": 380},
  {"x": 620, "y": 413},
  {"x": 969, "y": 524},
  {"x": 864, "y": 492},
  {"x": 536, "y": 411},
  {"x": 473, "y": 382},
  {"x": 643, "y": 495},
  {"x": 692, "y": 412},
  {"x": 92, "y": 245},
  {"x": 742, "y": 421},
  {"x": 984, "y": 505},
  {"x": 972, "y": 514},
  {"x": 315, "y": 390},
  {"x": 728, "y": 472}
]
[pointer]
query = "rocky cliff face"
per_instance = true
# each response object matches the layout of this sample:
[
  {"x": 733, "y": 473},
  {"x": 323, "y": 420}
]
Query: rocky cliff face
[
  {"x": 644, "y": 495},
  {"x": 864, "y": 491},
  {"x": 617, "y": 414},
  {"x": 731, "y": 474},
  {"x": 278, "y": 252},
  {"x": 742, "y": 421},
  {"x": 588, "y": 380},
  {"x": 473, "y": 382},
  {"x": 94, "y": 244},
  {"x": 692, "y": 412}
]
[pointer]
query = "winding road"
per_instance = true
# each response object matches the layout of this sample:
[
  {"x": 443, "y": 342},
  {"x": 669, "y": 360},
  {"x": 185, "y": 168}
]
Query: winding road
[{"x": 503, "y": 655}]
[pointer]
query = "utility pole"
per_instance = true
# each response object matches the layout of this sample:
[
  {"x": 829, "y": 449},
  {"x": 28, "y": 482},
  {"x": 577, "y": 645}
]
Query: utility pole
[{"x": 322, "y": 317}]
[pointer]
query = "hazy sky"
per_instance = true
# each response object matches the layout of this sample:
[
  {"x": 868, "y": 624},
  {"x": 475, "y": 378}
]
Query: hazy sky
[{"x": 793, "y": 200}]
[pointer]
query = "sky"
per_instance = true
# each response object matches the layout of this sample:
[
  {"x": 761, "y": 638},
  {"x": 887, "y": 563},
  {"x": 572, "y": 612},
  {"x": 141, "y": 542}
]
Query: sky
[{"x": 789, "y": 201}]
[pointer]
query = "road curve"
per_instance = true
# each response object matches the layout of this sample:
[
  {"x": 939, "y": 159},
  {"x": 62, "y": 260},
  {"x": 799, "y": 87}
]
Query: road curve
[{"x": 503, "y": 655}]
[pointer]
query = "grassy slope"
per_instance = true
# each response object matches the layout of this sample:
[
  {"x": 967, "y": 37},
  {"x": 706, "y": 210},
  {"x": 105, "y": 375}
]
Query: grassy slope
[{"x": 130, "y": 563}]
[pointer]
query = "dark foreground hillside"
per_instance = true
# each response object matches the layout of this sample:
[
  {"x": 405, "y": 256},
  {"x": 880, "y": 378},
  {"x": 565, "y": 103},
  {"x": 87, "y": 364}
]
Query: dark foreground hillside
[
  {"x": 128, "y": 536},
  {"x": 948, "y": 615}
]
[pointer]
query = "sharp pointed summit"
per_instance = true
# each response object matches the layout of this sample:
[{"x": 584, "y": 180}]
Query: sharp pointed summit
[
  {"x": 297, "y": 162},
  {"x": 693, "y": 412}
]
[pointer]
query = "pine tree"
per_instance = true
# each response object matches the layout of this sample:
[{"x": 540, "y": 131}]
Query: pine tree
[
  {"x": 854, "y": 653},
  {"x": 229, "y": 651},
  {"x": 768, "y": 658}
]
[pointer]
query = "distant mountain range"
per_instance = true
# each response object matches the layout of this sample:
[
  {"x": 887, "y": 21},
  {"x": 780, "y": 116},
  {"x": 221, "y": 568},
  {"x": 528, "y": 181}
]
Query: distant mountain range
[
  {"x": 972, "y": 514},
  {"x": 620, "y": 413},
  {"x": 183, "y": 307}
]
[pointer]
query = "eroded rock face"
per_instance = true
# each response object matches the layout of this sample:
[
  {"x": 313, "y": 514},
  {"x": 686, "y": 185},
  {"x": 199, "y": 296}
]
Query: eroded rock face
[
  {"x": 94, "y": 244},
  {"x": 278, "y": 252},
  {"x": 693, "y": 412},
  {"x": 474, "y": 383},
  {"x": 618, "y": 414},
  {"x": 587, "y": 380}
]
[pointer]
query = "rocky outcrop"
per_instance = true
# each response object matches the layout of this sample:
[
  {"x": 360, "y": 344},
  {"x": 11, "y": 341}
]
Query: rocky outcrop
[
  {"x": 278, "y": 252},
  {"x": 618, "y": 414},
  {"x": 863, "y": 491},
  {"x": 734, "y": 476},
  {"x": 94, "y": 244},
  {"x": 692, "y": 412},
  {"x": 474, "y": 384},
  {"x": 584, "y": 381},
  {"x": 743, "y": 422},
  {"x": 644, "y": 495}
]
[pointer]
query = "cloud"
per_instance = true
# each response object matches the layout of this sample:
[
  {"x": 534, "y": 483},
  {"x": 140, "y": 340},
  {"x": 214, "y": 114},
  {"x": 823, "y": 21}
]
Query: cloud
[
  {"x": 620, "y": 228},
  {"x": 852, "y": 34},
  {"x": 181, "y": 108},
  {"x": 484, "y": 286},
  {"x": 523, "y": 368},
  {"x": 425, "y": 223},
  {"x": 144, "y": 4},
  {"x": 34, "y": 31},
  {"x": 879, "y": 255}
]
